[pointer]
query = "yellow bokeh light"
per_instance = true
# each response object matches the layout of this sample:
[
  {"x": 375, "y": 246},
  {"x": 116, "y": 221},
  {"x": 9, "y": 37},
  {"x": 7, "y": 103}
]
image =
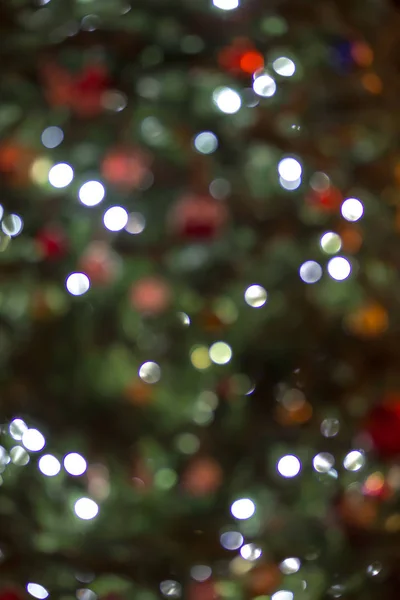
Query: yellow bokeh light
[
  {"x": 220, "y": 353},
  {"x": 199, "y": 358}
]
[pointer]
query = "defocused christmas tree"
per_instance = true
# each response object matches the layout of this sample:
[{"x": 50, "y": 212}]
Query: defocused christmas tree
[{"x": 199, "y": 324}]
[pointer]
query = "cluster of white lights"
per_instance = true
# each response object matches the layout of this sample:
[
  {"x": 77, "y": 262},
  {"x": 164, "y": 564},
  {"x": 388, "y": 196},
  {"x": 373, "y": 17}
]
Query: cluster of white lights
[
  {"x": 352, "y": 209},
  {"x": 226, "y": 4},
  {"x": 220, "y": 353},
  {"x": 289, "y": 466},
  {"x": 115, "y": 218},
  {"x": 243, "y": 509},
  {"x": 264, "y": 85},
  {"x": 227, "y": 100},
  {"x": 91, "y": 193},
  {"x": 86, "y": 509},
  {"x": 61, "y": 175},
  {"x": 77, "y": 284}
]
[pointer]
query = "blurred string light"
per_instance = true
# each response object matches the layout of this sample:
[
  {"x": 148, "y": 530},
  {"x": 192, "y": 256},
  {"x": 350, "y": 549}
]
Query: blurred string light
[
  {"x": 231, "y": 540},
  {"x": 115, "y": 218},
  {"x": 200, "y": 358},
  {"x": 310, "y": 271},
  {"x": 290, "y": 169},
  {"x": 37, "y": 591},
  {"x": 354, "y": 460},
  {"x": 250, "y": 552},
  {"x": 264, "y": 85},
  {"x": 227, "y": 100},
  {"x": 220, "y": 188},
  {"x": 226, "y": 4},
  {"x": 282, "y": 595},
  {"x": 290, "y": 186},
  {"x": 136, "y": 223},
  {"x": 330, "y": 427},
  {"x": 52, "y": 137},
  {"x": 200, "y": 573},
  {"x": 12, "y": 225},
  {"x": 220, "y": 353},
  {"x": 290, "y": 566},
  {"x": 86, "y": 509},
  {"x": 61, "y": 175},
  {"x": 171, "y": 588},
  {"x": 75, "y": 464},
  {"x": 284, "y": 66},
  {"x": 91, "y": 193},
  {"x": 243, "y": 509},
  {"x": 339, "y": 268},
  {"x": 33, "y": 440},
  {"x": 150, "y": 372},
  {"x": 184, "y": 318},
  {"x": 19, "y": 456},
  {"x": 352, "y": 209},
  {"x": 323, "y": 462},
  {"x": 77, "y": 284},
  {"x": 289, "y": 466},
  {"x": 331, "y": 242},
  {"x": 17, "y": 429},
  {"x": 49, "y": 465},
  {"x": 255, "y": 296},
  {"x": 206, "y": 142}
]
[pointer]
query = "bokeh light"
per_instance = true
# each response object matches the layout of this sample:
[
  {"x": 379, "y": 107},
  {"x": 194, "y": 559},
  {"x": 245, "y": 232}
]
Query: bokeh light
[
  {"x": 323, "y": 462},
  {"x": 264, "y": 86},
  {"x": 150, "y": 372},
  {"x": 91, "y": 193},
  {"x": 243, "y": 509},
  {"x": 250, "y": 552},
  {"x": 115, "y": 218},
  {"x": 289, "y": 466},
  {"x": 310, "y": 271},
  {"x": 86, "y": 509},
  {"x": 200, "y": 573},
  {"x": 231, "y": 540},
  {"x": 49, "y": 465},
  {"x": 61, "y": 175},
  {"x": 226, "y": 4},
  {"x": 352, "y": 209},
  {"x": 17, "y": 428},
  {"x": 136, "y": 223},
  {"x": 220, "y": 353},
  {"x": 19, "y": 456},
  {"x": 255, "y": 296},
  {"x": 33, "y": 440},
  {"x": 12, "y": 225},
  {"x": 354, "y": 460},
  {"x": 52, "y": 137},
  {"x": 331, "y": 242},
  {"x": 75, "y": 464},
  {"x": 227, "y": 100},
  {"x": 77, "y": 284},
  {"x": 206, "y": 142},
  {"x": 290, "y": 565},
  {"x": 290, "y": 169},
  {"x": 339, "y": 268},
  {"x": 37, "y": 591},
  {"x": 284, "y": 66}
]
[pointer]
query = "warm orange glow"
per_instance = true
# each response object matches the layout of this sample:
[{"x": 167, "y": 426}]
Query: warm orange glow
[
  {"x": 362, "y": 54},
  {"x": 372, "y": 83},
  {"x": 251, "y": 61}
]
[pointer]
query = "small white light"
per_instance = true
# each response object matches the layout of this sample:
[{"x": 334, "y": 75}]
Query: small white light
[
  {"x": 115, "y": 218},
  {"x": 282, "y": 595},
  {"x": 91, "y": 193},
  {"x": 61, "y": 175},
  {"x": 75, "y": 464},
  {"x": 289, "y": 466},
  {"x": 231, "y": 540},
  {"x": 323, "y": 462},
  {"x": 354, "y": 460},
  {"x": 227, "y": 100},
  {"x": 243, "y": 509},
  {"x": 86, "y": 509},
  {"x": 201, "y": 572},
  {"x": 255, "y": 296},
  {"x": 250, "y": 552},
  {"x": 290, "y": 185},
  {"x": 12, "y": 225},
  {"x": 339, "y": 268},
  {"x": 171, "y": 588},
  {"x": 290, "y": 565},
  {"x": 331, "y": 242},
  {"x": 37, "y": 591},
  {"x": 352, "y": 209},
  {"x": 52, "y": 137},
  {"x": 284, "y": 66},
  {"x": 330, "y": 427},
  {"x": 17, "y": 428},
  {"x": 136, "y": 223},
  {"x": 290, "y": 169},
  {"x": 264, "y": 86},
  {"x": 33, "y": 440},
  {"x": 77, "y": 284},
  {"x": 49, "y": 465},
  {"x": 206, "y": 142},
  {"x": 226, "y": 4},
  {"x": 220, "y": 353},
  {"x": 150, "y": 372},
  {"x": 310, "y": 271},
  {"x": 19, "y": 456}
]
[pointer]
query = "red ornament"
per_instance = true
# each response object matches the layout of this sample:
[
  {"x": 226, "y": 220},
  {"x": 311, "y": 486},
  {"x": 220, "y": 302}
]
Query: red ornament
[
  {"x": 126, "y": 167},
  {"x": 383, "y": 427},
  {"x": 203, "y": 591},
  {"x": 51, "y": 243},
  {"x": 198, "y": 217},
  {"x": 203, "y": 477},
  {"x": 100, "y": 264},
  {"x": 150, "y": 295}
]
